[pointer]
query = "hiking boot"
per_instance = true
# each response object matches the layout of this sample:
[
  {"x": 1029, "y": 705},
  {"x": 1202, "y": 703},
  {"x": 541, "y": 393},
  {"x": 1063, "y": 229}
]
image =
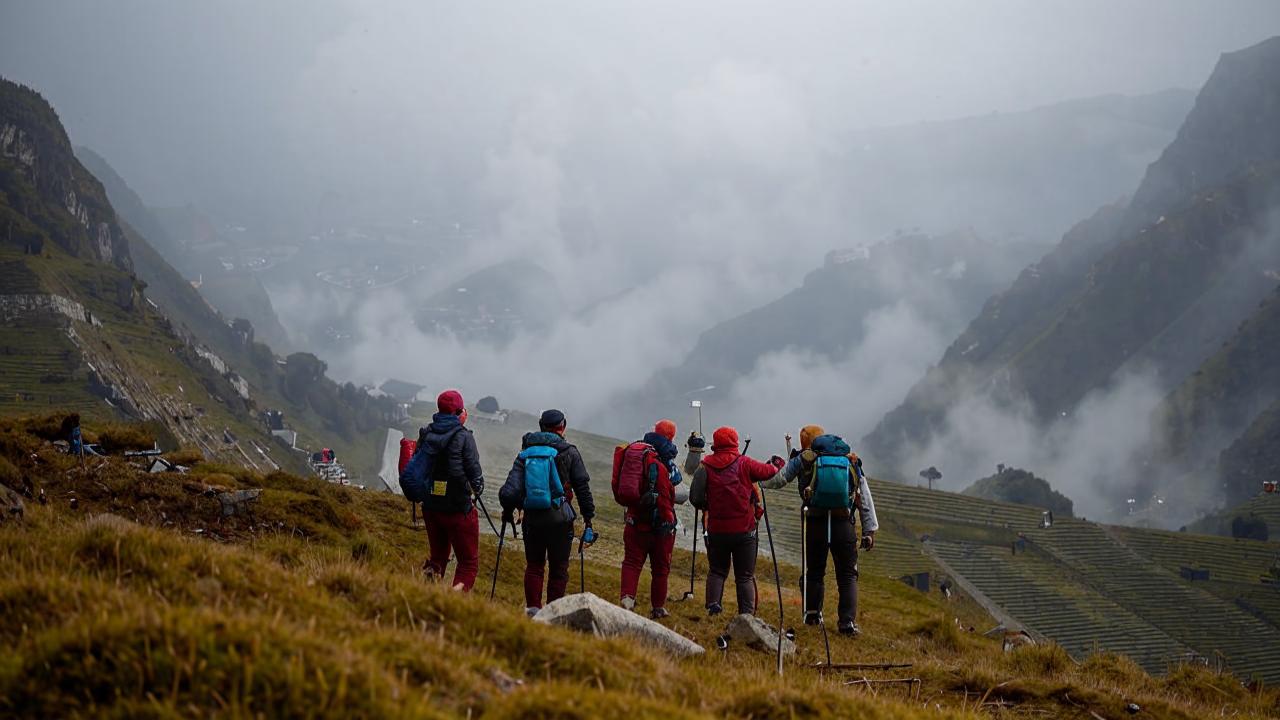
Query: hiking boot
[
  {"x": 714, "y": 609},
  {"x": 628, "y": 603},
  {"x": 812, "y": 618},
  {"x": 429, "y": 573},
  {"x": 658, "y": 613},
  {"x": 531, "y": 611},
  {"x": 849, "y": 627}
]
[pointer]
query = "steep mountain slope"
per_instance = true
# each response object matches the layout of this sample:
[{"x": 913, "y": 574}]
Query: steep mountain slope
[
  {"x": 74, "y": 311},
  {"x": 941, "y": 280},
  {"x": 79, "y": 330},
  {"x": 325, "y": 414},
  {"x": 1031, "y": 173},
  {"x": 1155, "y": 286},
  {"x": 1232, "y": 396}
]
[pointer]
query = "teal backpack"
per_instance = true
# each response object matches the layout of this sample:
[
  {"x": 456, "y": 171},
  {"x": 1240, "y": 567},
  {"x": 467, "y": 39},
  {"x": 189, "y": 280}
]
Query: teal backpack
[
  {"x": 542, "y": 487},
  {"x": 831, "y": 470}
]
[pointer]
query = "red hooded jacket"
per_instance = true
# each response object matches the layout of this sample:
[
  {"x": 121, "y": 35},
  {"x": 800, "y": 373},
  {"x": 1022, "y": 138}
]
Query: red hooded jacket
[{"x": 732, "y": 496}]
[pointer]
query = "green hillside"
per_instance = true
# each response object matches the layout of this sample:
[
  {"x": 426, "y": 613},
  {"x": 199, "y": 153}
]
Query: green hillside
[{"x": 312, "y": 606}]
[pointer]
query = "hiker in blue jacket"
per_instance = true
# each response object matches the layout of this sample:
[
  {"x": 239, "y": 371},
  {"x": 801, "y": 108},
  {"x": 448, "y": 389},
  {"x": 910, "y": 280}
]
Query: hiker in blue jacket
[{"x": 548, "y": 531}]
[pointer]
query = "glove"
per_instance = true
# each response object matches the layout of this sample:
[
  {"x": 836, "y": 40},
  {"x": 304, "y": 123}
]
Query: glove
[
  {"x": 696, "y": 441},
  {"x": 868, "y": 541},
  {"x": 777, "y": 462},
  {"x": 588, "y": 536},
  {"x": 509, "y": 516}
]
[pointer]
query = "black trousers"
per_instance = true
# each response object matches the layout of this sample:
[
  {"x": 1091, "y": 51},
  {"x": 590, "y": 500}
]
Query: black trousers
[
  {"x": 842, "y": 545},
  {"x": 740, "y": 550},
  {"x": 546, "y": 544}
]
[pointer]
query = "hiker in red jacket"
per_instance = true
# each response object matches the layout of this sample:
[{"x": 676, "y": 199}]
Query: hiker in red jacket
[
  {"x": 725, "y": 489},
  {"x": 650, "y": 532}
]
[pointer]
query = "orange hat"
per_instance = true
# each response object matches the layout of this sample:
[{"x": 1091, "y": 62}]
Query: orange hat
[
  {"x": 724, "y": 438},
  {"x": 666, "y": 429},
  {"x": 808, "y": 433}
]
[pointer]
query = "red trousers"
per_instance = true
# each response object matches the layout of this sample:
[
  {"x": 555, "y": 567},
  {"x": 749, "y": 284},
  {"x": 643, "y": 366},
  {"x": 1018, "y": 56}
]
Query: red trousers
[
  {"x": 459, "y": 532},
  {"x": 641, "y": 545}
]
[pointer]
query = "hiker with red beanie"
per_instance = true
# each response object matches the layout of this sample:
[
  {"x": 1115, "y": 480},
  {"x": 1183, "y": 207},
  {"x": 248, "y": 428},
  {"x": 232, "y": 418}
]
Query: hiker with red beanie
[
  {"x": 725, "y": 488},
  {"x": 456, "y": 479},
  {"x": 544, "y": 479},
  {"x": 650, "y": 499}
]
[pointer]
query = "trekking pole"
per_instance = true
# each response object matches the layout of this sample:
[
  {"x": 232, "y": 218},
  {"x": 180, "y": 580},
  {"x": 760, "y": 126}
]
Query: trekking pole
[
  {"x": 582, "y": 569},
  {"x": 502, "y": 536},
  {"x": 777, "y": 578},
  {"x": 693, "y": 562},
  {"x": 826, "y": 641},
  {"x": 480, "y": 502}
]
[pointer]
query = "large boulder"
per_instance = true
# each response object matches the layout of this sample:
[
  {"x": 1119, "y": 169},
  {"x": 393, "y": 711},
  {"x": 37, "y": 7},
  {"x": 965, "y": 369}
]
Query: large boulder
[
  {"x": 757, "y": 634},
  {"x": 10, "y": 504},
  {"x": 585, "y": 612}
]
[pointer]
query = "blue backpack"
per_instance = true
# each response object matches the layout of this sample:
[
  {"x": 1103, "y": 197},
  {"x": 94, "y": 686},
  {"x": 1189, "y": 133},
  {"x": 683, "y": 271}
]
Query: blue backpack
[
  {"x": 542, "y": 487},
  {"x": 415, "y": 478},
  {"x": 831, "y": 470}
]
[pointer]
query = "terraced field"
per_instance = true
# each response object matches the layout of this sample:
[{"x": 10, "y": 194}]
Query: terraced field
[
  {"x": 1243, "y": 561},
  {"x": 1203, "y": 621},
  {"x": 896, "y": 499},
  {"x": 1037, "y": 592}
]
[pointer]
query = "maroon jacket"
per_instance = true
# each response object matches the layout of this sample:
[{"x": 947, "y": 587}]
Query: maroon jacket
[{"x": 724, "y": 486}]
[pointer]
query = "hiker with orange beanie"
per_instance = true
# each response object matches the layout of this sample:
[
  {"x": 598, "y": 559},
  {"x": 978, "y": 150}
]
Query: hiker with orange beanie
[
  {"x": 831, "y": 487},
  {"x": 725, "y": 488}
]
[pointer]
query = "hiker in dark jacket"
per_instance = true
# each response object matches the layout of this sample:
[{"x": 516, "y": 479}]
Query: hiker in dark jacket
[
  {"x": 831, "y": 531},
  {"x": 650, "y": 532},
  {"x": 725, "y": 488},
  {"x": 548, "y": 533},
  {"x": 449, "y": 510}
]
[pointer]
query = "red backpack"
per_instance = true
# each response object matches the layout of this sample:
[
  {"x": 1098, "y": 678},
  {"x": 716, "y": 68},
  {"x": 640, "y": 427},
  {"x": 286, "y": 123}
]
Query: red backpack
[
  {"x": 407, "y": 449},
  {"x": 635, "y": 473}
]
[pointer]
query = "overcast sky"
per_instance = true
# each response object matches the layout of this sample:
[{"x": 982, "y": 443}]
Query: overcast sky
[{"x": 249, "y": 107}]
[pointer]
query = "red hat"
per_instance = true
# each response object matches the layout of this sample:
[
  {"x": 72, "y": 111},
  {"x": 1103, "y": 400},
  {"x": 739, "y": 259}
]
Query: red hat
[
  {"x": 666, "y": 429},
  {"x": 724, "y": 438},
  {"x": 450, "y": 401}
]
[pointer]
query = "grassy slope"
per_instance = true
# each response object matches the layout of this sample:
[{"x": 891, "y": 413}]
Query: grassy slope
[{"x": 318, "y": 610}]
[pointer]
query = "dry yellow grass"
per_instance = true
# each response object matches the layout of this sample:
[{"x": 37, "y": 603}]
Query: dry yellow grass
[{"x": 318, "y": 610}]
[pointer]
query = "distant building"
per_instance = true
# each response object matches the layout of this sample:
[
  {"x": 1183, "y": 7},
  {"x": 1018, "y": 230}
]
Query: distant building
[{"x": 401, "y": 390}]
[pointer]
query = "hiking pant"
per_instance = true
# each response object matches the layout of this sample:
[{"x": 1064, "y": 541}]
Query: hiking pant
[
  {"x": 740, "y": 549},
  {"x": 544, "y": 544},
  {"x": 459, "y": 532},
  {"x": 639, "y": 545},
  {"x": 843, "y": 547}
]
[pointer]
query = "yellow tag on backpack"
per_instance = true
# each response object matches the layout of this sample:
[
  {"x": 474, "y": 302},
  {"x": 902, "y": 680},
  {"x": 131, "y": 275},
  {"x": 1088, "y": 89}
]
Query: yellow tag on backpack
[{"x": 438, "y": 487}]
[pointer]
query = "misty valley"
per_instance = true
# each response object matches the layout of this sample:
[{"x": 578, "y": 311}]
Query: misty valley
[{"x": 282, "y": 316}]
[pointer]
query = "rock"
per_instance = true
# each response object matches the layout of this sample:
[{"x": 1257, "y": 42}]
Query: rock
[
  {"x": 757, "y": 634},
  {"x": 585, "y": 612},
  {"x": 238, "y": 502},
  {"x": 10, "y": 504},
  {"x": 503, "y": 681}
]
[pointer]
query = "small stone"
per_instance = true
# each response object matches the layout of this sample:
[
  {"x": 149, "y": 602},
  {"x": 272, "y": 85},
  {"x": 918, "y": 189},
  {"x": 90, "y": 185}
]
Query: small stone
[{"x": 757, "y": 634}]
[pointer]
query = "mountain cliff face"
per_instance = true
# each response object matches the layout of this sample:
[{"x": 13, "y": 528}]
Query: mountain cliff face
[
  {"x": 93, "y": 319},
  {"x": 1155, "y": 287}
]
